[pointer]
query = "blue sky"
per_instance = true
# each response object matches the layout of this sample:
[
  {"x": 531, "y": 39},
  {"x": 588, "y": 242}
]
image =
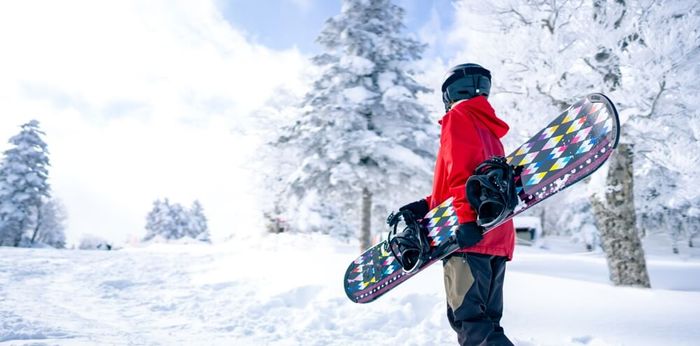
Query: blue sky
[{"x": 283, "y": 24}]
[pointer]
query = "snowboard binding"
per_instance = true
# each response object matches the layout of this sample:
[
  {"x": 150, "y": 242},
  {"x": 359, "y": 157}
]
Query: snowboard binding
[
  {"x": 410, "y": 247},
  {"x": 491, "y": 191}
]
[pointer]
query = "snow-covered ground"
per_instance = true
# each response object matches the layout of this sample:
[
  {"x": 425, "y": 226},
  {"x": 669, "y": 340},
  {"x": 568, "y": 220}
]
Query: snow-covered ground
[{"x": 287, "y": 290}]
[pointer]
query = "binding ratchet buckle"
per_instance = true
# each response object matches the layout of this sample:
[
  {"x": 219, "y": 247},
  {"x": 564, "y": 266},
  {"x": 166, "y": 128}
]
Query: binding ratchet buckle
[{"x": 410, "y": 247}]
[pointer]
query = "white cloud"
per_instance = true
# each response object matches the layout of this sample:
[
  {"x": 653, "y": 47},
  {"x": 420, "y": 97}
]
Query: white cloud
[
  {"x": 303, "y": 5},
  {"x": 138, "y": 100}
]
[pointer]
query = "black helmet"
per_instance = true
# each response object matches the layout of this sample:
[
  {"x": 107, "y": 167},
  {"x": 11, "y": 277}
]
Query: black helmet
[{"x": 465, "y": 81}]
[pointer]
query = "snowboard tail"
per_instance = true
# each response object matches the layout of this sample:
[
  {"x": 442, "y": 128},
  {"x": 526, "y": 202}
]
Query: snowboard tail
[
  {"x": 569, "y": 149},
  {"x": 376, "y": 271}
]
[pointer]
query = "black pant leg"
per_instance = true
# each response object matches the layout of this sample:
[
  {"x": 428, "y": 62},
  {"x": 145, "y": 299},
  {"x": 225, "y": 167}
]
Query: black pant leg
[
  {"x": 494, "y": 307},
  {"x": 474, "y": 287}
]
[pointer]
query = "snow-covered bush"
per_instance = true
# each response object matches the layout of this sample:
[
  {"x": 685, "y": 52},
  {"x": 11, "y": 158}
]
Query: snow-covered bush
[
  {"x": 173, "y": 221},
  {"x": 93, "y": 242}
]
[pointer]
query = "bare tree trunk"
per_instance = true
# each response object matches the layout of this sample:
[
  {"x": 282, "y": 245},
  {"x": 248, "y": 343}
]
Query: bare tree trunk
[
  {"x": 38, "y": 224},
  {"x": 615, "y": 218},
  {"x": 680, "y": 231},
  {"x": 18, "y": 237},
  {"x": 366, "y": 224},
  {"x": 543, "y": 221}
]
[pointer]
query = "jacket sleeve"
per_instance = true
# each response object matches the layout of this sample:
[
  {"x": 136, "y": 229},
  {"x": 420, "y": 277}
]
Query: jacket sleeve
[{"x": 463, "y": 151}]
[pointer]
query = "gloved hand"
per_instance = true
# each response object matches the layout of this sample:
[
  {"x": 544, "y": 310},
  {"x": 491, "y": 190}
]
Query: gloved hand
[
  {"x": 469, "y": 234},
  {"x": 418, "y": 208}
]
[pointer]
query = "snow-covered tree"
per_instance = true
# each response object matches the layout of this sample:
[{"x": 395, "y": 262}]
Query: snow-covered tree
[
  {"x": 644, "y": 54},
  {"x": 164, "y": 220},
  {"x": 362, "y": 143},
  {"x": 157, "y": 219},
  {"x": 173, "y": 221},
  {"x": 657, "y": 58},
  {"x": 615, "y": 217},
  {"x": 23, "y": 183},
  {"x": 197, "y": 228},
  {"x": 50, "y": 227}
]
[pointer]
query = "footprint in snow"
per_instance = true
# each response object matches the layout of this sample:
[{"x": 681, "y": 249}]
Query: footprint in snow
[
  {"x": 117, "y": 284},
  {"x": 587, "y": 340}
]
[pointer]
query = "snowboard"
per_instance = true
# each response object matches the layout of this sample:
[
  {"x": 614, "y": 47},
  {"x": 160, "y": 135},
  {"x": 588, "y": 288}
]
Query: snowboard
[{"x": 567, "y": 150}]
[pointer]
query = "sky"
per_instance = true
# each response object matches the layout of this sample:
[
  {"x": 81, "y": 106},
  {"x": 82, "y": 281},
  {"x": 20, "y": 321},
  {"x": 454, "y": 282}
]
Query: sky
[
  {"x": 285, "y": 24},
  {"x": 147, "y": 100}
]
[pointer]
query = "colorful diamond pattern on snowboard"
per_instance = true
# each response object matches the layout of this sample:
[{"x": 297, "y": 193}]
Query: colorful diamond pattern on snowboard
[
  {"x": 441, "y": 222},
  {"x": 570, "y": 136},
  {"x": 374, "y": 264}
]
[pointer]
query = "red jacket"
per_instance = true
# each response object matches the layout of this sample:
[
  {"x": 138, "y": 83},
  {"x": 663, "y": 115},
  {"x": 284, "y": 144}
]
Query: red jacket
[{"x": 470, "y": 134}]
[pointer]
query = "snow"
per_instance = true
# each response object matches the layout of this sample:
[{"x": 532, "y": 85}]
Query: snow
[
  {"x": 387, "y": 80},
  {"x": 357, "y": 64},
  {"x": 528, "y": 222},
  {"x": 287, "y": 290},
  {"x": 357, "y": 94}
]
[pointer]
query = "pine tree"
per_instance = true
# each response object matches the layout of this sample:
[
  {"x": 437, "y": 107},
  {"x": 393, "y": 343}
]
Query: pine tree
[
  {"x": 197, "y": 227},
  {"x": 363, "y": 143},
  {"x": 180, "y": 220},
  {"x": 157, "y": 219},
  {"x": 23, "y": 183}
]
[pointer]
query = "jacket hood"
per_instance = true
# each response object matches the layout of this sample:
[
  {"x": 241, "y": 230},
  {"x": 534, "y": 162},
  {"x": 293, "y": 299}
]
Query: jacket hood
[{"x": 480, "y": 108}]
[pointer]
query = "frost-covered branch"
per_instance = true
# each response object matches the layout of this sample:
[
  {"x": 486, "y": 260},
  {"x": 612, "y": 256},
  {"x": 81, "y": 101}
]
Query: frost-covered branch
[{"x": 655, "y": 101}]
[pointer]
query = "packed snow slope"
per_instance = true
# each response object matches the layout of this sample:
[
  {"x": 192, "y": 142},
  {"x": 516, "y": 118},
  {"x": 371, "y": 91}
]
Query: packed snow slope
[{"x": 287, "y": 290}]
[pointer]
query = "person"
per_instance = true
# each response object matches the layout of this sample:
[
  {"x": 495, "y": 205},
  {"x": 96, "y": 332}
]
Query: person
[{"x": 474, "y": 275}]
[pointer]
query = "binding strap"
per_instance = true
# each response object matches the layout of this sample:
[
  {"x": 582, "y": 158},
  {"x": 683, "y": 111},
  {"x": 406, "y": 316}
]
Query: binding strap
[{"x": 491, "y": 191}]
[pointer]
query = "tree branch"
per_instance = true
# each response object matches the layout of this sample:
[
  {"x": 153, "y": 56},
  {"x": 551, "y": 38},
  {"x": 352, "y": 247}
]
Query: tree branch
[
  {"x": 567, "y": 46},
  {"x": 517, "y": 14},
  {"x": 662, "y": 88},
  {"x": 560, "y": 103}
]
